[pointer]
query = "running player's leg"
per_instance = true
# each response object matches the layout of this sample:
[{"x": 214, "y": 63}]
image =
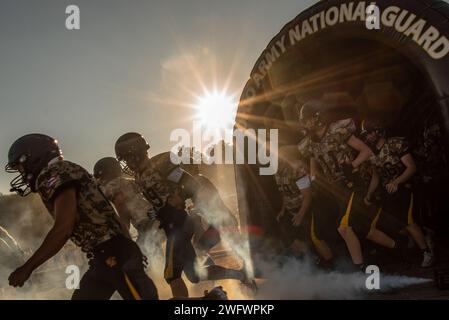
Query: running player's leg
[
  {"x": 346, "y": 231},
  {"x": 293, "y": 237},
  {"x": 174, "y": 267},
  {"x": 185, "y": 258},
  {"x": 93, "y": 286},
  {"x": 415, "y": 231},
  {"x": 378, "y": 236},
  {"x": 324, "y": 222},
  {"x": 407, "y": 202},
  {"x": 401, "y": 206},
  {"x": 208, "y": 201},
  {"x": 363, "y": 220},
  {"x": 320, "y": 245},
  {"x": 131, "y": 280}
]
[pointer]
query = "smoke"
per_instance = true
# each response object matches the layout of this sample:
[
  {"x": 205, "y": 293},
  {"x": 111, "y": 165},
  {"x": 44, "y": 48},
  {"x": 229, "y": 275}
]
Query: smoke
[
  {"x": 294, "y": 279},
  {"x": 215, "y": 212},
  {"x": 152, "y": 244},
  {"x": 286, "y": 278},
  {"x": 47, "y": 282},
  {"x": 397, "y": 282},
  {"x": 290, "y": 278},
  {"x": 26, "y": 223}
]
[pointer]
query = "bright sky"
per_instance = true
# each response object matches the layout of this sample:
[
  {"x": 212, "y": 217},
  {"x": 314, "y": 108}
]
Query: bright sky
[{"x": 133, "y": 66}]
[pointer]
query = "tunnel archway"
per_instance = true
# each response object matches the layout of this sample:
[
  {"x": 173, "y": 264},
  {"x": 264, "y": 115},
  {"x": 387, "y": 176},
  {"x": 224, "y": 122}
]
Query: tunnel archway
[{"x": 396, "y": 74}]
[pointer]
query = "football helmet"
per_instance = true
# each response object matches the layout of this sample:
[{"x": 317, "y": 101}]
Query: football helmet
[
  {"x": 27, "y": 156},
  {"x": 131, "y": 149}
]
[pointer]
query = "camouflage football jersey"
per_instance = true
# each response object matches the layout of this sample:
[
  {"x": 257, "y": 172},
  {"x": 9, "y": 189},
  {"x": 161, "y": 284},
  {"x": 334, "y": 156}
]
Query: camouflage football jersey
[
  {"x": 162, "y": 162},
  {"x": 154, "y": 187},
  {"x": 387, "y": 160},
  {"x": 169, "y": 171},
  {"x": 286, "y": 178},
  {"x": 97, "y": 220},
  {"x": 138, "y": 207},
  {"x": 304, "y": 148},
  {"x": 157, "y": 189},
  {"x": 333, "y": 153}
]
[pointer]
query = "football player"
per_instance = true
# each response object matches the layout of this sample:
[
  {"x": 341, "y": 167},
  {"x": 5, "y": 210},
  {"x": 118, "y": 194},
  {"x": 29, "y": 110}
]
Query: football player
[
  {"x": 393, "y": 169},
  {"x": 131, "y": 206},
  {"x": 81, "y": 213},
  {"x": 324, "y": 213},
  {"x": 135, "y": 210},
  {"x": 342, "y": 160},
  {"x": 167, "y": 194},
  {"x": 296, "y": 217}
]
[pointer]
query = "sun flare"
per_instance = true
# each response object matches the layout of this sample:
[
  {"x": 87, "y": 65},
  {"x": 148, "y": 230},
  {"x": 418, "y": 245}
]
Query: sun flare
[{"x": 216, "y": 111}]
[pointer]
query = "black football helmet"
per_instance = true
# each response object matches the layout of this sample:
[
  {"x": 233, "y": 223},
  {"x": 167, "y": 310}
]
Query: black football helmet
[
  {"x": 309, "y": 114},
  {"x": 131, "y": 149},
  {"x": 371, "y": 133},
  {"x": 27, "y": 156},
  {"x": 107, "y": 169}
]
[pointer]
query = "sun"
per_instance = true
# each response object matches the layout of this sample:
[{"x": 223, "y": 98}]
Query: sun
[{"x": 216, "y": 111}]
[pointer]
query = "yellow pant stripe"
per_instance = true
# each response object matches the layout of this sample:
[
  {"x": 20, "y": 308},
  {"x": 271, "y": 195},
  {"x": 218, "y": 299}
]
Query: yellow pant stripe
[
  {"x": 345, "y": 220},
  {"x": 410, "y": 211},
  {"x": 169, "y": 270},
  {"x": 132, "y": 289},
  {"x": 313, "y": 236},
  {"x": 374, "y": 223}
]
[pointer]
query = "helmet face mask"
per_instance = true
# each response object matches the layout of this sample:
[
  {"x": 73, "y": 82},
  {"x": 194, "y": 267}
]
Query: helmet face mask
[
  {"x": 130, "y": 163},
  {"x": 131, "y": 149},
  {"x": 371, "y": 134},
  {"x": 371, "y": 137},
  {"x": 309, "y": 116},
  {"x": 22, "y": 183}
]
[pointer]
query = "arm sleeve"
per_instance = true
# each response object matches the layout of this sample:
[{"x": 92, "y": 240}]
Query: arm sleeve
[
  {"x": 175, "y": 175},
  {"x": 303, "y": 183}
]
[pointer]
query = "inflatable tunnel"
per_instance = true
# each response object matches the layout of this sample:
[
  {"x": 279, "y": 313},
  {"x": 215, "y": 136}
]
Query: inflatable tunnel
[{"x": 387, "y": 62}]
